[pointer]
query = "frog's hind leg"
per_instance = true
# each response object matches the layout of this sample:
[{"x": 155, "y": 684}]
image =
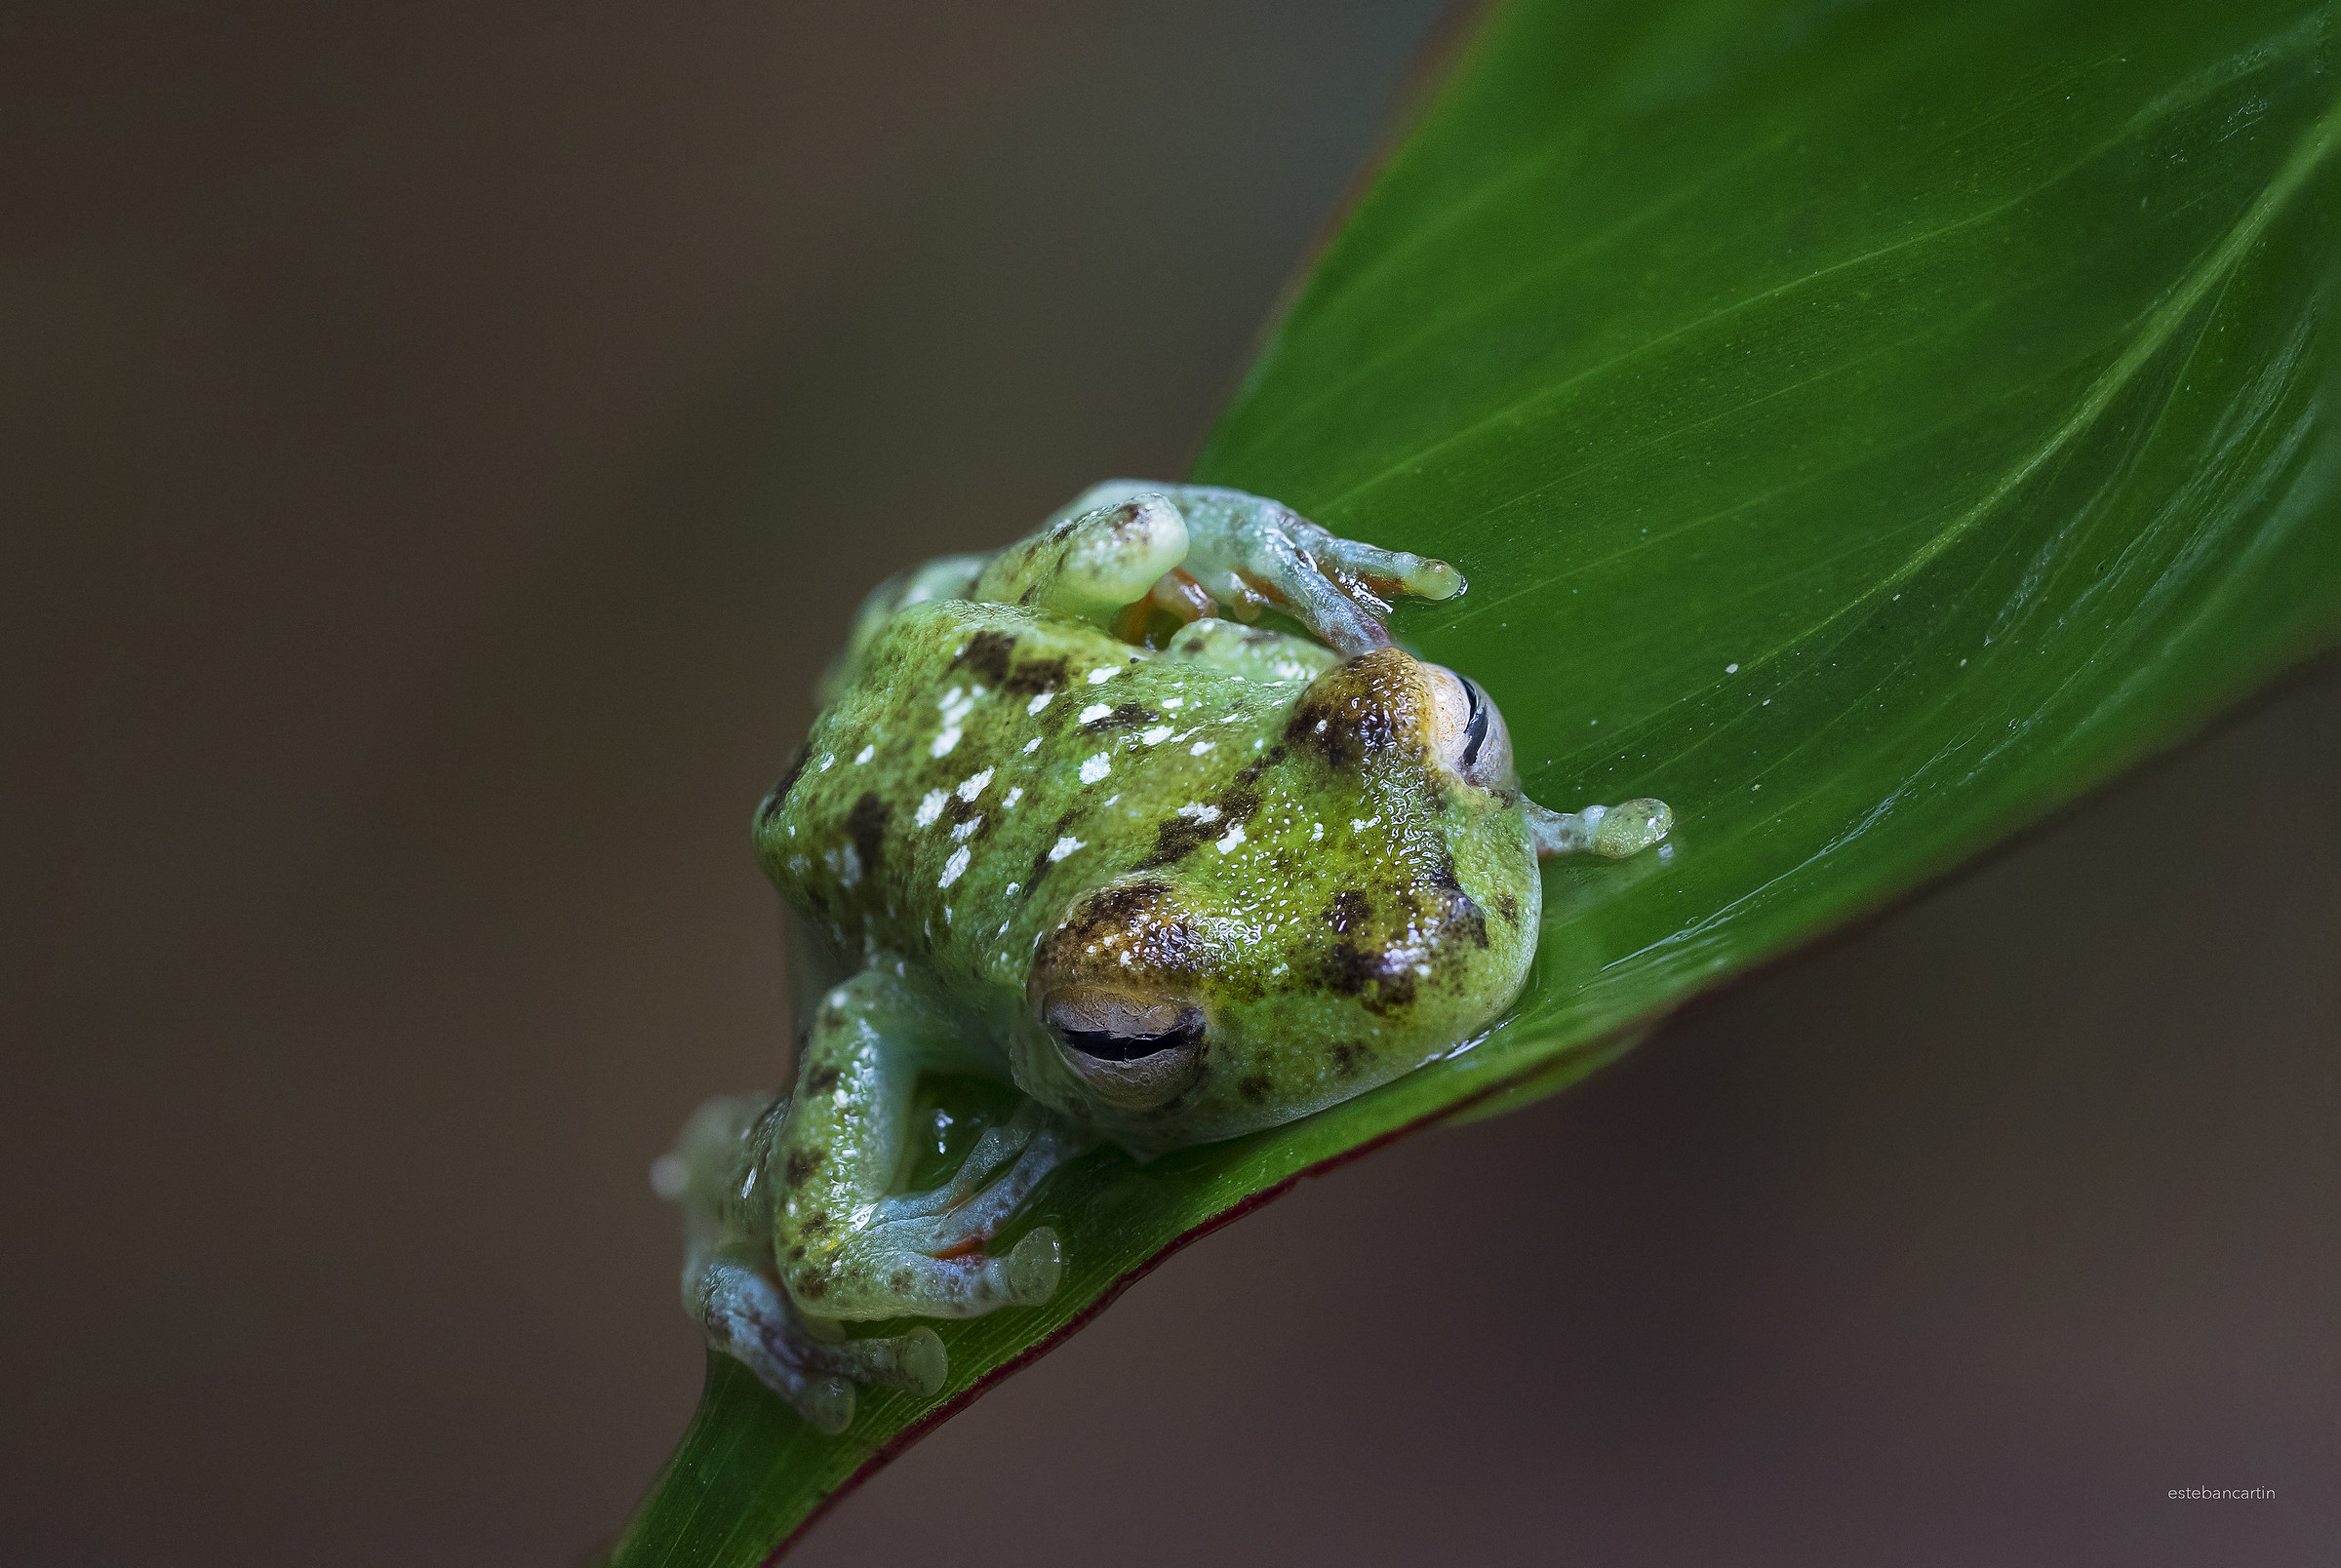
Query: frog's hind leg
[
  {"x": 1089, "y": 564},
  {"x": 848, "y": 1247},
  {"x": 731, "y": 1290},
  {"x": 1251, "y": 552}
]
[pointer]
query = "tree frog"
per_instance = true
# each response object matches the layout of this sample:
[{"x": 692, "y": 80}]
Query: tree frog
[{"x": 1071, "y": 819}]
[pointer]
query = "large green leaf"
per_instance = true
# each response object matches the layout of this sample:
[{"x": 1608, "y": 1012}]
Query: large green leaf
[{"x": 1866, "y": 426}]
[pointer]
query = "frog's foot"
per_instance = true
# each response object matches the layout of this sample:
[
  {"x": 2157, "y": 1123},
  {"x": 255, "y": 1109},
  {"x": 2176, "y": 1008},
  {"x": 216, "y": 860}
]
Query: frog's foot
[
  {"x": 928, "y": 1254},
  {"x": 1613, "y": 832},
  {"x": 748, "y": 1317},
  {"x": 1252, "y": 553}
]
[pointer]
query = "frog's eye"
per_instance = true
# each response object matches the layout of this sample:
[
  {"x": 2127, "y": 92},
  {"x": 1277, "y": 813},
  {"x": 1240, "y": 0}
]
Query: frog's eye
[
  {"x": 1136, "y": 1052},
  {"x": 1466, "y": 732},
  {"x": 1475, "y": 730}
]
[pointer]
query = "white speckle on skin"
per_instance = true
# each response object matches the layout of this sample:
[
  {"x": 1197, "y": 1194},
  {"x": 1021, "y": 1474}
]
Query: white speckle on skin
[
  {"x": 930, "y": 808},
  {"x": 1200, "y": 747},
  {"x": 865, "y": 755},
  {"x": 1013, "y": 795},
  {"x": 952, "y": 869},
  {"x": 1198, "y": 811},
  {"x": 975, "y": 786},
  {"x": 1316, "y": 832},
  {"x": 946, "y": 740},
  {"x": 1174, "y": 702},
  {"x": 1065, "y": 846},
  {"x": 1158, "y": 732},
  {"x": 1011, "y": 888},
  {"x": 960, "y": 833},
  {"x": 1095, "y": 768},
  {"x": 1320, "y": 727},
  {"x": 827, "y": 758},
  {"x": 1040, "y": 702},
  {"x": 1235, "y": 837},
  {"x": 1032, "y": 745},
  {"x": 1101, "y": 677},
  {"x": 1094, "y": 711}
]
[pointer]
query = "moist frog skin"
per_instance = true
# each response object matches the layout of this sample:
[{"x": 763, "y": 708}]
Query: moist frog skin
[{"x": 1170, "y": 893}]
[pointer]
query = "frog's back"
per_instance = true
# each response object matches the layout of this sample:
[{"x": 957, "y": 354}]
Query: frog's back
[{"x": 967, "y": 759}]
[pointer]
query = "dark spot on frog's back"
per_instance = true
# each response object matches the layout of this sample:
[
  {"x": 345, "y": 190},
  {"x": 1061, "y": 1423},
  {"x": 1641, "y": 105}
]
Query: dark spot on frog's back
[
  {"x": 1361, "y": 706},
  {"x": 1108, "y": 912},
  {"x": 1348, "y": 1057},
  {"x": 774, "y": 801},
  {"x": 988, "y": 654},
  {"x": 1237, "y": 802},
  {"x": 1255, "y": 1086},
  {"x": 802, "y": 1163},
  {"x": 866, "y": 824},
  {"x": 1035, "y": 675},
  {"x": 1042, "y": 864},
  {"x": 1509, "y": 908},
  {"x": 1125, "y": 715},
  {"x": 1460, "y": 913},
  {"x": 1352, "y": 967},
  {"x": 1348, "y": 911}
]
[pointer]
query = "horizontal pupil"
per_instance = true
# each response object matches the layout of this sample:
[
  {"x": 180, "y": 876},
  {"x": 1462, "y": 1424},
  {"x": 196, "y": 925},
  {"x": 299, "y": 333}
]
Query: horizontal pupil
[{"x": 1111, "y": 1047}]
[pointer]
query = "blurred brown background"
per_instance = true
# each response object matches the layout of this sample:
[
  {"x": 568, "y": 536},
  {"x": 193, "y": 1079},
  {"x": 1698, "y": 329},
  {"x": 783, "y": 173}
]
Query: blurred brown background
[{"x": 441, "y": 445}]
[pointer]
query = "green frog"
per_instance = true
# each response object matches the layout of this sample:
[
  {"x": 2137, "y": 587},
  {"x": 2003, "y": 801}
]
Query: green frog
[{"x": 1075, "y": 819}]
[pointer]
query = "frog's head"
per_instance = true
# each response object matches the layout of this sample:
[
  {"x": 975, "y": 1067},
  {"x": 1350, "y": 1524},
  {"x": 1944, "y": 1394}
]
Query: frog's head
[{"x": 1361, "y": 897}]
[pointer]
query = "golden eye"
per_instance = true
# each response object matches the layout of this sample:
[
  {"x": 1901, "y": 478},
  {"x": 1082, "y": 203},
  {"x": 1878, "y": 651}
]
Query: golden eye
[
  {"x": 1136, "y": 1052},
  {"x": 1467, "y": 733}
]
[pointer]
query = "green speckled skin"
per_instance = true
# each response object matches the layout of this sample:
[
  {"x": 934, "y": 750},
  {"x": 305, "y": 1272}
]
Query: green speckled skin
[
  {"x": 1010, "y": 800},
  {"x": 1173, "y": 890}
]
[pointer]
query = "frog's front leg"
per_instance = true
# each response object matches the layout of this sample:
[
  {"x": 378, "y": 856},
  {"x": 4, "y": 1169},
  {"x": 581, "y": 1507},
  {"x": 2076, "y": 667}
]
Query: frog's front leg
[
  {"x": 847, "y": 1245},
  {"x": 1249, "y": 552},
  {"x": 719, "y": 1172},
  {"x": 1612, "y": 832}
]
